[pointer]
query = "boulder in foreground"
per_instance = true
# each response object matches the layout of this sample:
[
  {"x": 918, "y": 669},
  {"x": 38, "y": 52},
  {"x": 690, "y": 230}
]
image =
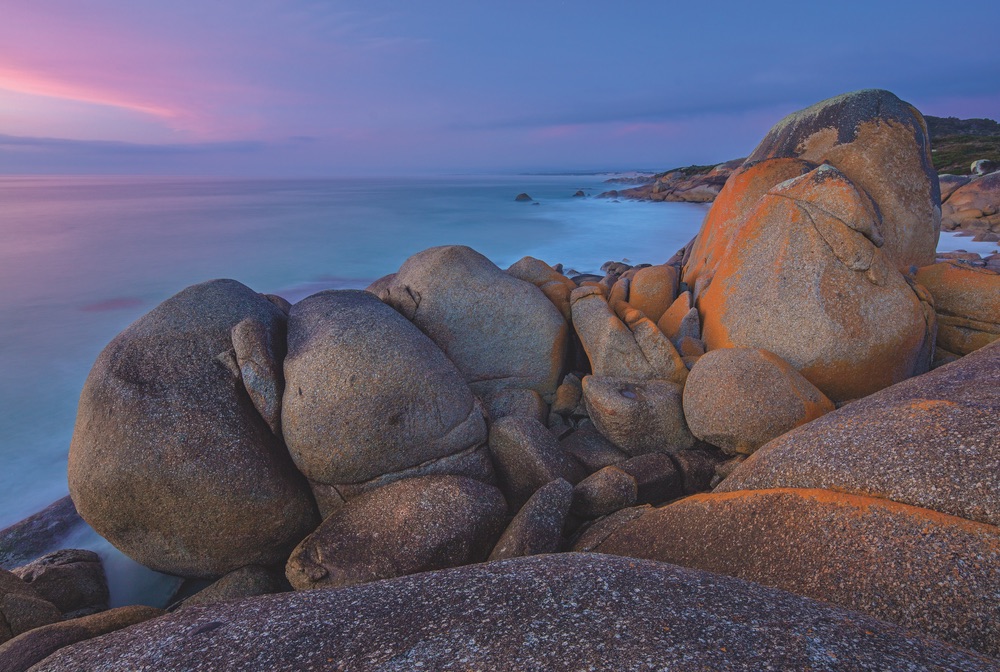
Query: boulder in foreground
[{"x": 545, "y": 612}]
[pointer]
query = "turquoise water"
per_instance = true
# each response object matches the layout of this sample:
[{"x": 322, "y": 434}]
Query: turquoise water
[{"x": 82, "y": 257}]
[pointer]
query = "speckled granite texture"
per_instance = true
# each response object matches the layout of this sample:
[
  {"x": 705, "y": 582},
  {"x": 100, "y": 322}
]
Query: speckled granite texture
[{"x": 555, "y": 612}]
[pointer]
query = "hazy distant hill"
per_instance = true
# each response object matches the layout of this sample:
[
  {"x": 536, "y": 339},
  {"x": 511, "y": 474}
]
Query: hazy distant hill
[{"x": 956, "y": 143}]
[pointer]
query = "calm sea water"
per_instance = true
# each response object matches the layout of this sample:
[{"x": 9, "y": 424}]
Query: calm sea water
[{"x": 82, "y": 257}]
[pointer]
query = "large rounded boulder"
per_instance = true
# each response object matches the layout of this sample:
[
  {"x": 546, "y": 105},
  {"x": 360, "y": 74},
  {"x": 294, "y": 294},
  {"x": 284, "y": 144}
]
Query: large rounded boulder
[
  {"x": 740, "y": 398},
  {"x": 809, "y": 282},
  {"x": 498, "y": 330},
  {"x": 881, "y": 144},
  {"x": 369, "y": 396},
  {"x": 171, "y": 461}
]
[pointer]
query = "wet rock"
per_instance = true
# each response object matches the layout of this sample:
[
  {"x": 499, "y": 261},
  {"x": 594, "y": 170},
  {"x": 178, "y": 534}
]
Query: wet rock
[
  {"x": 549, "y": 612},
  {"x": 639, "y": 417},
  {"x": 740, "y": 398},
  {"x": 170, "y": 460},
  {"x": 537, "y": 527},
  {"x": 498, "y": 330},
  {"x": 527, "y": 457},
  {"x": 34, "y": 646},
  {"x": 603, "y": 492},
  {"x": 28, "y": 539},
  {"x": 883, "y": 559},
  {"x": 409, "y": 526},
  {"x": 368, "y": 394},
  {"x": 71, "y": 579}
]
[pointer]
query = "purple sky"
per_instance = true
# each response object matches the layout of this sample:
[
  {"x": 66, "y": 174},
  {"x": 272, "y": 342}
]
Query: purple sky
[{"x": 329, "y": 88}]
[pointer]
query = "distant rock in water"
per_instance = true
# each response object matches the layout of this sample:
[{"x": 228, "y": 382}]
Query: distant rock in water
[
  {"x": 579, "y": 193},
  {"x": 523, "y": 198}
]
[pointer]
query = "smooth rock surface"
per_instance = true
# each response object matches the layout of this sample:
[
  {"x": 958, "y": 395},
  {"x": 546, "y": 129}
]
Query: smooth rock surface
[
  {"x": 923, "y": 570},
  {"x": 556, "y": 286},
  {"x": 244, "y": 582},
  {"x": 740, "y": 398},
  {"x": 640, "y": 417},
  {"x": 931, "y": 441},
  {"x": 368, "y": 394},
  {"x": 409, "y": 526},
  {"x": 498, "y": 330},
  {"x": 170, "y": 460},
  {"x": 556, "y": 612}
]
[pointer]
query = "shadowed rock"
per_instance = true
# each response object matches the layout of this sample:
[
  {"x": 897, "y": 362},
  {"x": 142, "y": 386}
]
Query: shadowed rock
[
  {"x": 527, "y": 456},
  {"x": 603, "y": 492},
  {"x": 537, "y": 527},
  {"x": 555, "y": 612},
  {"x": 28, "y": 539},
  {"x": 498, "y": 330},
  {"x": 409, "y": 526},
  {"x": 640, "y": 417},
  {"x": 931, "y": 441},
  {"x": 923, "y": 570},
  {"x": 244, "y": 582},
  {"x": 20, "y": 653},
  {"x": 71, "y": 579},
  {"x": 22, "y": 608},
  {"x": 170, "y": 460}
]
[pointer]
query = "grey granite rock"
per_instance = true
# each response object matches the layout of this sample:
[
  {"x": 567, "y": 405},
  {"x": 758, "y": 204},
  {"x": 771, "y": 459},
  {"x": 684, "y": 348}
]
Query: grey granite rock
[
  {"x": 527, "y": 456},
  {"x": 538, "y": 526},
  {"x": 71, "y": 579},
  {"x": 39, "y": 533},
  {"x": 555, "y": 612}
]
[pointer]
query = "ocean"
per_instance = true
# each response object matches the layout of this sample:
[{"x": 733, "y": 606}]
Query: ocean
[{"x": 82, "y": 257}]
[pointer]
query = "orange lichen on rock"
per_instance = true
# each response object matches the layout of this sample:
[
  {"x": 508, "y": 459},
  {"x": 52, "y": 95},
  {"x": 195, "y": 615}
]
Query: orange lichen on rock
[
  {"x": 967, "y": 299},
  {"x": 653, "y": 289}
]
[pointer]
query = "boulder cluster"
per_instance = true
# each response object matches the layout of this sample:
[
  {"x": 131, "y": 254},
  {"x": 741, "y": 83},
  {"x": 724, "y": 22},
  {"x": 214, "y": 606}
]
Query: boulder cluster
[
  {"x": 757, "y": 406},
  {"x": 972, "y": 203}
]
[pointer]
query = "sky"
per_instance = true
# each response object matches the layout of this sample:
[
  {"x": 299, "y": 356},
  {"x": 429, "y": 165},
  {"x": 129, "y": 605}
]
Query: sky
[{"x": 314, "y": 88}]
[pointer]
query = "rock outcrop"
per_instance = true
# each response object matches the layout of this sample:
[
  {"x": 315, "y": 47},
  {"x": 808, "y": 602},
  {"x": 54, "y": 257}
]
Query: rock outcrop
[
  {"x": 974, "y": 207},
  {"x": 548, "y": 612},
  {"x": 170, "y": 459},
  {"x": 967, "y": 303}
]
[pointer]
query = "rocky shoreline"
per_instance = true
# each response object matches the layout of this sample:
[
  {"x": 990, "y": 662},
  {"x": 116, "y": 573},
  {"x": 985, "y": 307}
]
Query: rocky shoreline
[{"x": 777, "y": 449}]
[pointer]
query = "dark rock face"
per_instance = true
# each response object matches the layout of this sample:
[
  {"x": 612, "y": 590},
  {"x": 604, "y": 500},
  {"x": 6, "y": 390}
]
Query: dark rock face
[
  {"x": 925, "y": 571},
  {"x": 71, "y": 579},
  {"x": 545, "y": 612},
  {"x": 244, "y": 582},
  {"x": 409, "y": 526},
  {"x": 498, "y": 330},
  {"x": 170, "y": 460},
  {"x": 930, "y": 441},
  {"x": 368, "y": 394},
  {"x": 20, "y": 653},
  {"x": 28, "y": 539},
  {"x": 538, "y": 526},
  {"x": 22, "y": 608},
  {"x": 603, "y": 492},
  {"x": 527, "y": 456}
]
